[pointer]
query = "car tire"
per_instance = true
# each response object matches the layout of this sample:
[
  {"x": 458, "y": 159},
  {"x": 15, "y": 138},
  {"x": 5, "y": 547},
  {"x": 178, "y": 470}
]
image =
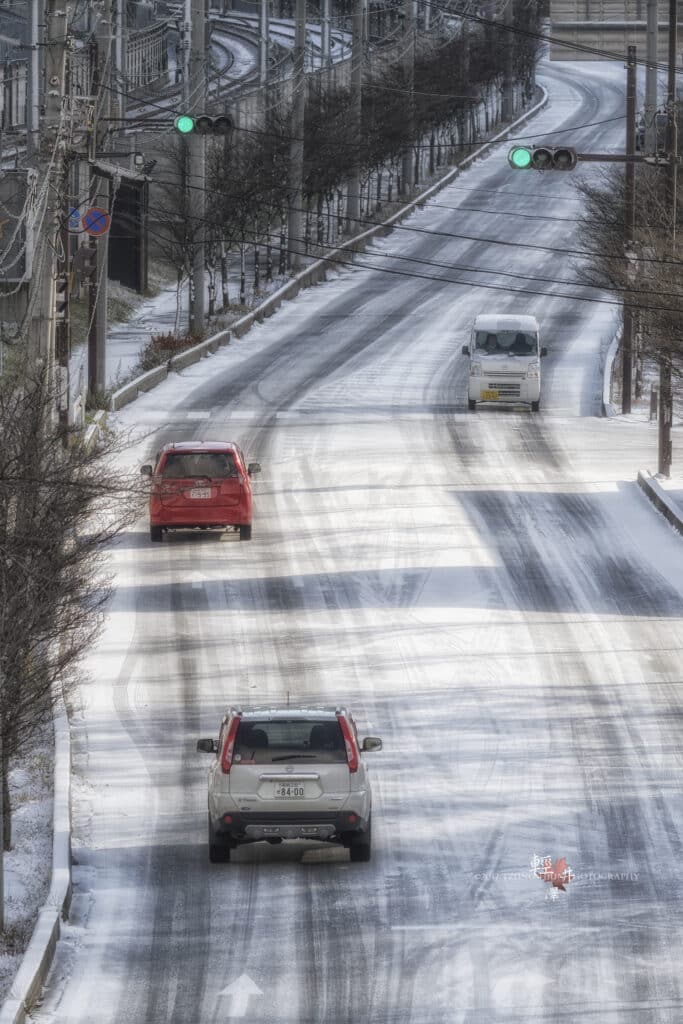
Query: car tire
[
  {"x": 245, "y": 532},
  {"x": 471, "y": 404},
  {"x": 219, "y": 849},
  {"x": 156, "y": 534},
  {"x": 535, "y": 406},
  {"x": 360, "y": 849}
]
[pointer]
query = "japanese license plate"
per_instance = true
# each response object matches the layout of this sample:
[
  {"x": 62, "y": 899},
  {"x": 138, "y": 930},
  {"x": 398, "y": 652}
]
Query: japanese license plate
[
  {"x": 200, "y": 492},
  {"x": 290, "y": 791},
  {"x": 489, "y": 395}
]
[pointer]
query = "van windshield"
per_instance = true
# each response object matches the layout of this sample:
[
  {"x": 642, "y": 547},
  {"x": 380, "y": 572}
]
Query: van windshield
[{"x": 509, "y": 343}]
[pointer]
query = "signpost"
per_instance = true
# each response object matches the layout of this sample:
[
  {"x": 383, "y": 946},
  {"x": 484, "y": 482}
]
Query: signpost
[{"x": 96, "y": 221}]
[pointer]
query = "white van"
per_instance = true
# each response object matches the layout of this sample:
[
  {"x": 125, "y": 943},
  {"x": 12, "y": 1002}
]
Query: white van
[{"x": 505, "y": 361}]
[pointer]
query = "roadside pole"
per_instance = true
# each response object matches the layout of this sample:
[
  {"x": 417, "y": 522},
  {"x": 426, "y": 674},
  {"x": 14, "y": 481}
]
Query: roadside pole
[
  {"x": 508, "y": 76},
  {"x": 665, "y": 453},
  {"x": 263, "y": 34},
  {"x": 33, "y": 106},
  {"x": 101, "y": 196},
  {"x": 325, "y": 35},
  {"x": 651, "y": 77},
  {"x": 629, "y": 227},
  {"x": 197, "y": 159},
  {"x": 409, "y": 63},
  {"x": 42, "y": 325},
  {"x": 353, "y": 198},
  {"x": 296, "y": 148}
]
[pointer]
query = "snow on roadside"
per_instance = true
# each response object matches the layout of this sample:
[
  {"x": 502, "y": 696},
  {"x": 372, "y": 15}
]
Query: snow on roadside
[{"x": 27, "y": 866}]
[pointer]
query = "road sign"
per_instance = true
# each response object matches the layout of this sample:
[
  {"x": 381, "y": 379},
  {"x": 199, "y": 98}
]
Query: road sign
[
  {"x": 74, "y": 219},
  {"x": 96, "y": 221}
]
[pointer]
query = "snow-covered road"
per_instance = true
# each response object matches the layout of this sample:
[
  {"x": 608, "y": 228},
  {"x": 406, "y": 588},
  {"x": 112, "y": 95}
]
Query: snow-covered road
[{"x": 490, "y": 592}]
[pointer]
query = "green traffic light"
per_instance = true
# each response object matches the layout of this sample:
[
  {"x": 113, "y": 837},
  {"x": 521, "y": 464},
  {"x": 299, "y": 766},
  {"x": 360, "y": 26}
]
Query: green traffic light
[
  {"x": 184, "y": 124},
  {"x": 520, "y": 158}
]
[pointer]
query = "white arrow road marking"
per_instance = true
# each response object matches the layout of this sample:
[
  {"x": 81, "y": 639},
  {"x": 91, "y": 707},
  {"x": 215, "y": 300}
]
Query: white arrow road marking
[{"x": 240, "y": 990}]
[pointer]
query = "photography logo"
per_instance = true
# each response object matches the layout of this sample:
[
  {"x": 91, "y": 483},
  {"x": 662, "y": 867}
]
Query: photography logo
[{"x": 558, "y": 874}]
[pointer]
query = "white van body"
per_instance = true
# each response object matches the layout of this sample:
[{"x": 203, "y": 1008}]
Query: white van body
[{"x": 505, "y": 360}]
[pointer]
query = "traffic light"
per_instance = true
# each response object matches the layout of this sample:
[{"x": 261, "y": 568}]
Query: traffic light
[
  {"x": 203, "y": 124},
  {"x": 542, "y": 158},
  {"x": 62, "y": 296}
]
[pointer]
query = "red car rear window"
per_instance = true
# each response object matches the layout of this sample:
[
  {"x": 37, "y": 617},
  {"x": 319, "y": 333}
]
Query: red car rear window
[{"x": 187, "y": 465}]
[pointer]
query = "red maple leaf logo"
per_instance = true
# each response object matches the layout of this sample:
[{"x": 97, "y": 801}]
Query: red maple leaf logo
[{"x": 558, "y": 874}]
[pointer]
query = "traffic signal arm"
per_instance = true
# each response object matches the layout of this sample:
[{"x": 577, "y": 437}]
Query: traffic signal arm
[{"x": 565, "y": 158}]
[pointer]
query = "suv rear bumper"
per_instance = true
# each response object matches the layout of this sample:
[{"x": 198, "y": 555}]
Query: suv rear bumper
[{"x": 255, "y": 825}]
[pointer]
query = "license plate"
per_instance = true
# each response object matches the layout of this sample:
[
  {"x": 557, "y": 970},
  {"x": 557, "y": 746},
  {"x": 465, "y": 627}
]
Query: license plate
[
  {"x": 200, "y": 492},
  {"x": 489, "y": 395},
  {"x": 290, "y": 791}
]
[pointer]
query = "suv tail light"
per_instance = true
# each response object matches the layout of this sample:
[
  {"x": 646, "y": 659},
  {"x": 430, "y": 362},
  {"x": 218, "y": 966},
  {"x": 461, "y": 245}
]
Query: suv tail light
[
  {"x": 229, "y": 745},
  {"x": 349, "y": 743}
]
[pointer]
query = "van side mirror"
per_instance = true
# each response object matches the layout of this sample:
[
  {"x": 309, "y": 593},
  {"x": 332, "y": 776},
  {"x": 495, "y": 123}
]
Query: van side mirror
[
  {"x": 466, "y": 350},
  {"x": 207, "y": 746},
  {"x": 253, "y": 468},
  {"x": 544, "y": 351},
  {"x": 146, "y": 470},
  {"x": 371, "y": 743}
]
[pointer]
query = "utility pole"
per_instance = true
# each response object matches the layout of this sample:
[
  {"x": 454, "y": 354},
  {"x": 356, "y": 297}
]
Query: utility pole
[
  {"x": 100, "y": 193},
  {"x": 42, "y": 327},
  {"x": 407, "y": 167},
  {"x": 665, "y": 453},
  {"x": 263, "y": 36},
  {"x": 296, "y": 148},
  {"x": 651, "y": 77},
  {"x": 353, "y": 198},
  {"x": 32, "y": 138},
  {"x": 629, "y": 226},
  {"x": 325, "y": 34},
  {"x": 119, "y": 83},
  {"x": 507, "y": 105},
  {"x": 197, "y": 160}
]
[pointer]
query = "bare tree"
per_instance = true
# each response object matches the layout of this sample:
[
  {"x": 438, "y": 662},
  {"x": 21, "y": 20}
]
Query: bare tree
[
  {"x": 649, "y": 278},
  {"x": 60, "y": 505}
]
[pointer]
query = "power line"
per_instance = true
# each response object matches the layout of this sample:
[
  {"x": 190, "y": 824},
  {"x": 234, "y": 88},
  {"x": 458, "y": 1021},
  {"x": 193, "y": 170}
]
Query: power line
[{"x": 458, "y": 235}]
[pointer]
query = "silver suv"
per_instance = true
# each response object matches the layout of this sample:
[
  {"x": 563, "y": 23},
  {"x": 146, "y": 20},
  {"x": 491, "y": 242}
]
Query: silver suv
[{"x": 284, "y": 773}]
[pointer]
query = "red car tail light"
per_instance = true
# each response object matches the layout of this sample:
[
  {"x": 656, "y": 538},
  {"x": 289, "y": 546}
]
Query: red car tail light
[
  {"x": 229, "y": 745},
  {"x": 349, "y": 743}
]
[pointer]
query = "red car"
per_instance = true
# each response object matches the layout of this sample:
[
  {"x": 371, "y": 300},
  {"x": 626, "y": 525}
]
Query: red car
[{"x": 200, "y": 484}]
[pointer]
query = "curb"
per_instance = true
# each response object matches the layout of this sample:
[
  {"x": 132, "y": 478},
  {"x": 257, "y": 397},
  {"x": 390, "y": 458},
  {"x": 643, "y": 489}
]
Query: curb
[
  {"x": 37, "y": 960},
  {"x": 655, "y": 493},
  {"x": 314, "y": 274}
]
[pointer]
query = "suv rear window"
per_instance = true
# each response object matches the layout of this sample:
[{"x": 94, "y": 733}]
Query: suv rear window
[
  {"x": 184, "y": 465},
  {"x": 296, "y": 739}
]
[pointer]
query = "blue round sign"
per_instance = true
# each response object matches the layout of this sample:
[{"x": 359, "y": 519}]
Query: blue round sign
[
  {"x": 96, "y": 221},
  {"x": 74, "y": 219}
]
